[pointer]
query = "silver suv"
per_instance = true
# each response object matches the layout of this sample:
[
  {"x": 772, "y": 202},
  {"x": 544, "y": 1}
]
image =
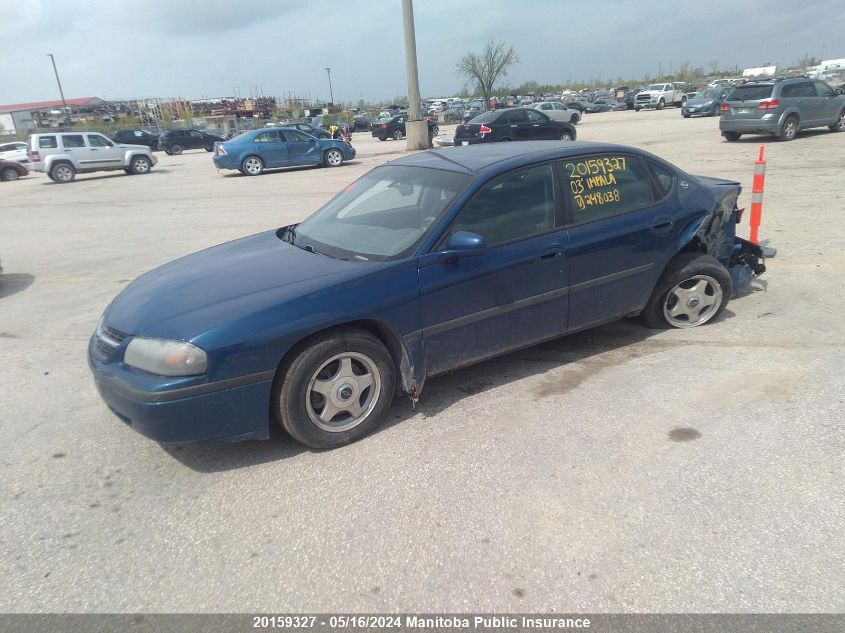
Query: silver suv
[
  {"x": 62, "y": 155},
  {"x": 781, "y": 107}
]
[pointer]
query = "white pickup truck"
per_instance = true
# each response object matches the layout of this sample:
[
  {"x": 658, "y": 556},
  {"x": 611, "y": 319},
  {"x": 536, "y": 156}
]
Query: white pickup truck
[{"x": 660, "y": 95}]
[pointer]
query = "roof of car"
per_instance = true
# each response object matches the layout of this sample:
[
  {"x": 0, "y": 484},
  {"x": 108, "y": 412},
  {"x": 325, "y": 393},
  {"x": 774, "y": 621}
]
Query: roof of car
[{"x": 477, "y": 158}]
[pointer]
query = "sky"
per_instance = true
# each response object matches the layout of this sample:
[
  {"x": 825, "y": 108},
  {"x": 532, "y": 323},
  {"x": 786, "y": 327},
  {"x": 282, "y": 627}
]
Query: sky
[{"x": 212, "y": 48}]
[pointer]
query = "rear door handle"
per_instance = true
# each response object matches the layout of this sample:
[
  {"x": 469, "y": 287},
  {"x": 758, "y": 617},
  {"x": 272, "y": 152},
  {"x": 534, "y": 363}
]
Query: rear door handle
[{"x": 662, "y": 224}]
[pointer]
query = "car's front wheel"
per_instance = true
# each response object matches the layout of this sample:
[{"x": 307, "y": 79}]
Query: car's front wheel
[
  {"x": 660, "y": 104},
  {"x": 140, "y": 165},
  {"x": 693, "y": 290},
  {"x": 176, "y": 149},
  {"x": 333, "y": 158},
  {"x": 9, "y": 173},
  {"x": 335, "y": 390},
  {"x": 840, "y": 123},
  {"x": 252, "y": 166}
]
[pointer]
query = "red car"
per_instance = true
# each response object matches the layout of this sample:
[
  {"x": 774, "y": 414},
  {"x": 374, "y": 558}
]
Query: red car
[{"x": 10, "y": 170}]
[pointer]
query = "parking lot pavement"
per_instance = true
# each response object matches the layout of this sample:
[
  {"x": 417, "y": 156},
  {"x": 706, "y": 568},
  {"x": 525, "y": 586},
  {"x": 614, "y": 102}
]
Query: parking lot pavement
[{"x": 620, "y": 469}]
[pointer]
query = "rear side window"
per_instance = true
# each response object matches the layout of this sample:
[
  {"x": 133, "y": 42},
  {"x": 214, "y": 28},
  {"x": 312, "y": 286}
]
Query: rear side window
[
  {"x": 95, "y": 140},
  {"x": 751, "y": 93},
  {"x": 802, "y": 89},
  {"x": 267, "y": 137},
  {"x": 73, "y": 140},
  {"x": 605, "y": 185},
  {"x": 47, "y": 142},
  {"x": 663, "y": 178}
]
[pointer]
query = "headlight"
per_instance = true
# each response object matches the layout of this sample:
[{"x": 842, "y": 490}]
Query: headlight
[{"x": 165, "y": 358}]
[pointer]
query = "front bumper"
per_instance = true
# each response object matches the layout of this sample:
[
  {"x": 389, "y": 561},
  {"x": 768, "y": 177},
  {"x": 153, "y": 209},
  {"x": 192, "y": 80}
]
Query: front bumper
[{"x": 224, "y": 415}]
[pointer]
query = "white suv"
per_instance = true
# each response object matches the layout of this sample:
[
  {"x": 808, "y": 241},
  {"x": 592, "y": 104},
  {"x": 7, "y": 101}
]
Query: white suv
[
  {"x": 62, "y": 155},
  {"x": 15, "y": 151}
]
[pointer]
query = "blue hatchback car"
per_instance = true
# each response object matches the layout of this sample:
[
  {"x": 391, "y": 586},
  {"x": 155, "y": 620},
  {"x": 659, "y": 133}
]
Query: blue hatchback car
[
  {"x": 425, "y": 264},
  {"x": 254, "y": 151}
]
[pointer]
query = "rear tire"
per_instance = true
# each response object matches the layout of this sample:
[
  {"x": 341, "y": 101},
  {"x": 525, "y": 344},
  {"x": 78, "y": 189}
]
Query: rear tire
[
  {"x": 176, "y": 149},
  {"x": 397, "y": 135},
  {"x": 692, "y": 291},
  {"x": 731, "y": 137},
  {"x": 789, "y": 129},
  {"x": 9, "y": 173},
  {"x": 252, "y": 166},
  {"x": 335, "y": 390},
  {"x": 209, "y": 148},
  {"x": 63, "y": 173}
]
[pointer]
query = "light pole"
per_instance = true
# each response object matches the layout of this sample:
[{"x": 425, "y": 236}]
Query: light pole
[
  {"x": 61, "y": 92},
  {"x": 805, "y": 62},
  {"x": 416, "y": 128},
  {"x": 331, "y": 94}
]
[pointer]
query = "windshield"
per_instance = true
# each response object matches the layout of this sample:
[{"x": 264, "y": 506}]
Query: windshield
[
  {"x": 707, "y": 94},
  {"x": 383, "y": 215},
  {"x": 658, "y": 87}
]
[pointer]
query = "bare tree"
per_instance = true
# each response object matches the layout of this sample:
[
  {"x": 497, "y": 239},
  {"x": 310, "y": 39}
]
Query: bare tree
[{"x": 486, "y": 68}]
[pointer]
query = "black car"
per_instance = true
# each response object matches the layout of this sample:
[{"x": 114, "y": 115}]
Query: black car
[
  {"x": 394, "y": 128},
  {"x": 576, "y": 105},
  {"x": 513, "y": 124},
  {"x": 136, "y": 137},
  {"x": 363, "y": 123},
  {"x": 310, "y": 129},
  {"x": 174, "y": 141}
]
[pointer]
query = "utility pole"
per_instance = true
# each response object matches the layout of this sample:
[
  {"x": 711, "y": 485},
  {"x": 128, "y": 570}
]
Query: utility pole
[
  {"x": 416, "y": 128},
  {"x": 331, "y": 94},
  {"x": 61, "y": 92}
]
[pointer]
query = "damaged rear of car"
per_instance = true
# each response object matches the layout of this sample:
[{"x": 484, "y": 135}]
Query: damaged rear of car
[{"x": 712, "y": 265}]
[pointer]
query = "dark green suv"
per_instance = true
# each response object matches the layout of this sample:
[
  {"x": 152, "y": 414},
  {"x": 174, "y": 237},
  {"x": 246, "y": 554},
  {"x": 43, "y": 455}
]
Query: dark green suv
[{"x": 781, "y": 107}]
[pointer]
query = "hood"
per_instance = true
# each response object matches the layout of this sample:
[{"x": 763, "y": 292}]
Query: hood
[
  {"x": 196, "y": 293},
  {"x": 700, "y": 100}
]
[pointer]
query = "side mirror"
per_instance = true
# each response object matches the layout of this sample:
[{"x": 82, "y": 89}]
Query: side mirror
[{"x": 464, "y": 244}]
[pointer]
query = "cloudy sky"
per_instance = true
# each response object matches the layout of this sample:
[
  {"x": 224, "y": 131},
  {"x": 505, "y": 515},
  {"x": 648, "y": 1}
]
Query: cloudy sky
[{"x": 209, "y": 48}]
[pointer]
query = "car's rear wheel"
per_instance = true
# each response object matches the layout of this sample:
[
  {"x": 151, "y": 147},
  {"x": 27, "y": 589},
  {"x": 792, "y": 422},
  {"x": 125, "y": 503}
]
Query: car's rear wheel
[
  {"x": 505, "y": 139},
  {"x": 209, "y": 148},
  {"x": 63, "y": 173},
  {"x": 840, "y": 123},
  {"x": 140, "y": 165},
  {"x": 252, "y": 166},
  {"x": 333, "y": 158},
  {"x": 176, "y": 149},
  {"x": 637, "y": 109},
  {"x": 335, "y": 390},
  {"x": 693, "y": 290},
  {"x": 397, "y": 135},
  {"x": 731, "y": 137},
  {"x": 789, "y": 129},
  {"x": 565, "y": 136},
  {"x": 9, "y": 173}
]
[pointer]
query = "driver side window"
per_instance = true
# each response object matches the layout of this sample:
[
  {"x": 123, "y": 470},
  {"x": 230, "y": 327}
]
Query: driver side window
[{"x": 513, "y": 207}]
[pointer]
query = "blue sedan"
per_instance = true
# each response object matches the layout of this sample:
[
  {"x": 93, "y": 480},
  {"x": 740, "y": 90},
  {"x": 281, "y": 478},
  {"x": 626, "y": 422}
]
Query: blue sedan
[
  {"x": 425, "y": 264},
  {"x": 254, "y": 151}
]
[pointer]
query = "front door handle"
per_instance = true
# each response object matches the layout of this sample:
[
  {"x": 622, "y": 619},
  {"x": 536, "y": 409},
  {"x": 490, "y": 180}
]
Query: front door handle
[{"x": 552, "y": 253}]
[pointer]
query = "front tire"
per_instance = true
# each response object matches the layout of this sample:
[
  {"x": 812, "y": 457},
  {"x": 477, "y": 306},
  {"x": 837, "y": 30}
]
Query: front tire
[
  {"x": 840, "y": 123},
  {"x": 176, "y": 149},
  {"x": 140, "y": 165},
  {"x": 333, "y": 158},
  {"x": 661, "y": 104},
  {"x": 10, "y": 173},
  {"x": 693, "y": 290},
  {"x": 252, "y": 166},
  {"x": 336, "y": 390},
  {"x": 686, "y": 115}
]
